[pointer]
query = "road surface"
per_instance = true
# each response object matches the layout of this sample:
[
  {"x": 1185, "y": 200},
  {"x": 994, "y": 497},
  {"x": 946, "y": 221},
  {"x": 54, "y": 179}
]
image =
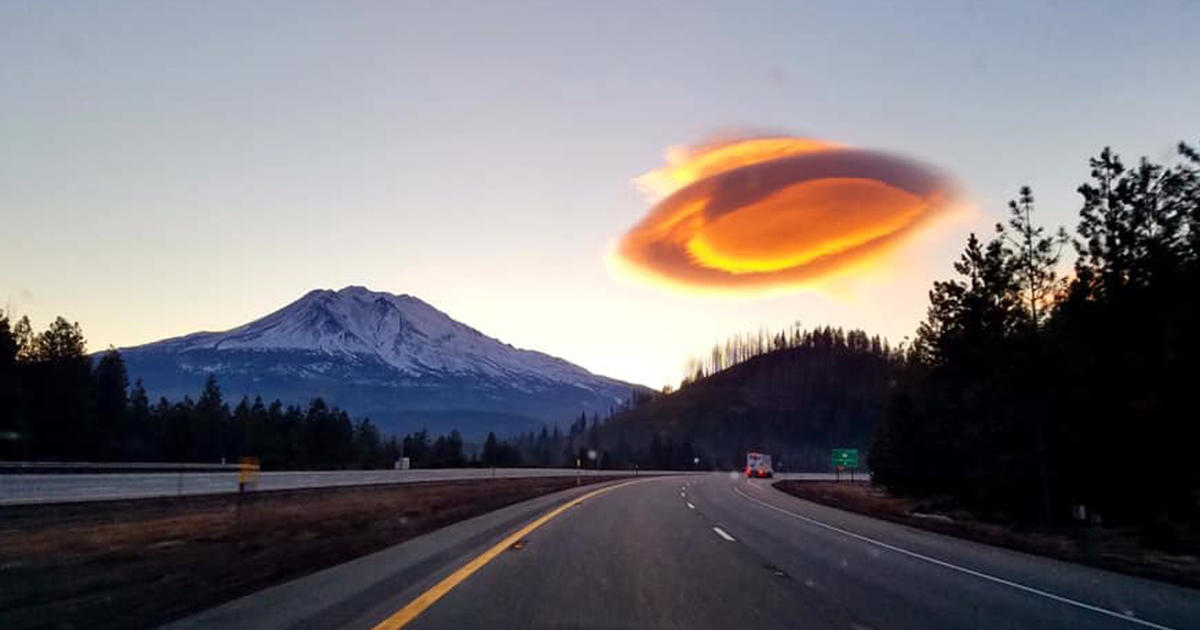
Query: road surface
[
  {"x": 57, "y": 488},
  {"x": 697, "y": 552}
]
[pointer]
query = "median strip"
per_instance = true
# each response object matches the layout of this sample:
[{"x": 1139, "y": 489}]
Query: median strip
[{"x": 139, "y": 563}]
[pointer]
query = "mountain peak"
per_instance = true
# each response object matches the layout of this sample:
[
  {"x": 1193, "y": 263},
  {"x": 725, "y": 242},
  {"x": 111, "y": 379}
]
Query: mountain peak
[
  {"x": 357, "y": 290},
  {"x": 402, "y": 331}
]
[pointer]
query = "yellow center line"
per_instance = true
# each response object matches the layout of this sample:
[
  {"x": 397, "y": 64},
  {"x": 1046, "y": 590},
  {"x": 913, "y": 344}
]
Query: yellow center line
[{"x": 405, "y": 615}]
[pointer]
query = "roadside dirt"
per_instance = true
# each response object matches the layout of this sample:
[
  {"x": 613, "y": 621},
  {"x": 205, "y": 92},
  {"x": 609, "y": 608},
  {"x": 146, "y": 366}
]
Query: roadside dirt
[
  {"x": 1106, "y": 548},
  {"x": 140, "y": 563}
]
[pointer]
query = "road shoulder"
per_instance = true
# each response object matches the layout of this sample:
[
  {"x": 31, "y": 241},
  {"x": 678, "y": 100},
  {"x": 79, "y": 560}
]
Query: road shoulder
[{"x": 1093, "y": 547}]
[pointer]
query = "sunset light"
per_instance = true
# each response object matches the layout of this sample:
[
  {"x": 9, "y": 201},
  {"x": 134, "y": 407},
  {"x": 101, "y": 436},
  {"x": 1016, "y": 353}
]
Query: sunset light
[
  {"x": 704, "y": 315},
  {"x": 776, "y": 213}
]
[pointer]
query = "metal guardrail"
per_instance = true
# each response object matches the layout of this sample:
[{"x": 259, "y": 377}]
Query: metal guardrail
[{"x": 22, "y": 467}]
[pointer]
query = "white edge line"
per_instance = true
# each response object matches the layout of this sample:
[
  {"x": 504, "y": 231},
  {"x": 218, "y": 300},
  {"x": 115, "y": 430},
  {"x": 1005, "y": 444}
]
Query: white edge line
[
  {"x": 690, "y": 506},
  {"x": 955, "y": 567},
  {"x": 723, "y": 534}
]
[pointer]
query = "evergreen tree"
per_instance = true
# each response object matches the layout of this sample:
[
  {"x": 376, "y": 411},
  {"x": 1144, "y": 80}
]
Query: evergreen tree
[
  {"x": 491, "y": 451},
  {"x": 367, "y": 445},
  {"x": 14, "y": 429},
  {"x": 24, "y": 338},
  {"x": 110, "y": 383},
  {"x": 237, "y": 445},
  {"x": 63, "y": 342},
  {"x": 1036, "y": 257},
  {"x": 209, "y": 424},
  {"x": 143, "y": 440},
  {"x": 59, "y": 382},
  {"x": 416, "y": 448},
  {"x": 8, "y": 345},
  {"x": 454, "y": 450}
]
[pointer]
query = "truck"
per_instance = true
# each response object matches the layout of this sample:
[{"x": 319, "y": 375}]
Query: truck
[{"x": 759, "y": 465}]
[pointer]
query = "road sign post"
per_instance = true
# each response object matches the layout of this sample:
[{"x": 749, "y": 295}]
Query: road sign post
[
  {"x": 844, "y": 459},
  {"x": 247, "y": 473}
]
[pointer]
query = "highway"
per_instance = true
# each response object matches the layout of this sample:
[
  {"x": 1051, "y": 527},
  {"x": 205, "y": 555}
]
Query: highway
[
  {"x": 695, "y": 552},
  {"x": 22, "y": 488}
]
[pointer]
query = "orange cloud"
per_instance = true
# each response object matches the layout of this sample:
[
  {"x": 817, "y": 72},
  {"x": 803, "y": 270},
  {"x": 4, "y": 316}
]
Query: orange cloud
[{"x": 776, "y": 213}]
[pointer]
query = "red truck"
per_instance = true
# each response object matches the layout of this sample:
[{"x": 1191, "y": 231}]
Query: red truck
[{"x": 759, "y": 465}]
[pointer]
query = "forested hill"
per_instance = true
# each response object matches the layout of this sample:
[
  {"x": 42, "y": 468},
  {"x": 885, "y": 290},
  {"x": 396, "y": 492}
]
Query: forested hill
[{"x": 815, "y": 390}]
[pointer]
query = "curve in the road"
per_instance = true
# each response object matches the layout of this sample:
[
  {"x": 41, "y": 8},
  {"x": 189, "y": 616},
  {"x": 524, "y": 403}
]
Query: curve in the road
[{"x": 659, "y": 554}]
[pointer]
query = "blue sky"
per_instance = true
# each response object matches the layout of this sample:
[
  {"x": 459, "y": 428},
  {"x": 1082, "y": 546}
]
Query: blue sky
[{"x": 166, "y": 168}]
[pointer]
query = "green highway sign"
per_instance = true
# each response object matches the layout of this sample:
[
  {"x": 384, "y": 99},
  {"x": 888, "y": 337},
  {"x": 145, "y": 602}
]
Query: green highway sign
[{"x": 845, "y": 458}]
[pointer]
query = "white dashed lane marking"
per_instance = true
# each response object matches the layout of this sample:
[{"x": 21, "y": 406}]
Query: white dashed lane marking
[
  {"x": 1124, "y": 615},
  {"x": 723, "y": 534}
]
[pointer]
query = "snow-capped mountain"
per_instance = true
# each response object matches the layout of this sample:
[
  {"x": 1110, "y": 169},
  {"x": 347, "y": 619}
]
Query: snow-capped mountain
[
  {"x": 400, "y": 330},
  {"x": 393, "y": 357}
]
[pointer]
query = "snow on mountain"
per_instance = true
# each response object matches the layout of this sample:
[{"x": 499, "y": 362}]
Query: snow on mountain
[
  {"x": 401, "y": 330},
  {"x": 393, "y": 356}
]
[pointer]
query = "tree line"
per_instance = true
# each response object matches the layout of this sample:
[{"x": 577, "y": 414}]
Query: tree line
[
  {"x": 588, "y": 442},
  {"x": 57, "y": 403},
  {"x": 741, "y": 348},
  {"x": 1027, "y": 394},
  {"x": 795, "y": 394}
]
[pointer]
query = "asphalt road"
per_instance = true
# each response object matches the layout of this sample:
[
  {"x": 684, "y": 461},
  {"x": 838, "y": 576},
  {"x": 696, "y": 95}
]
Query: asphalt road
[{"x": 710, "y": 551}]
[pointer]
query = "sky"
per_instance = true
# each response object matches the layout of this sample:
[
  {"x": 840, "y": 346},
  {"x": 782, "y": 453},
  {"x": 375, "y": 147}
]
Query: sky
[{"x": 173, "y": 167}]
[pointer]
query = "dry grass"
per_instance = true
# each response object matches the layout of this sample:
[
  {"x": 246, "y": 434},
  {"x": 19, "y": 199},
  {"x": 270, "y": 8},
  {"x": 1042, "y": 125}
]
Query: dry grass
[{"x": 143, "y": 562}]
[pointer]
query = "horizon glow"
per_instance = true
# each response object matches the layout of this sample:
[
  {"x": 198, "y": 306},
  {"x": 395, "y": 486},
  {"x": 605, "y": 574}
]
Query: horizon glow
[{"x": 181, "y": 167}]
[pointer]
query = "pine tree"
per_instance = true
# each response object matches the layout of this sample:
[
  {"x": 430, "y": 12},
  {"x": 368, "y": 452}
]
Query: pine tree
[
  {"x": 111, "y": 383},
  {"x": 8, "y": 345},
  {"x": 209, "y": 424},
  {"x": 13, "y": 423},
  {"x": 367, "y": 444},
  {"x": 24, "y": 338},
  {"x": 62, "y": 342},
  {"x": 142, "y": 441},
  {"x": 491, "y": 451},
  {"x": 1035, "y": 258},
  {"x": 60, "y": 390}
]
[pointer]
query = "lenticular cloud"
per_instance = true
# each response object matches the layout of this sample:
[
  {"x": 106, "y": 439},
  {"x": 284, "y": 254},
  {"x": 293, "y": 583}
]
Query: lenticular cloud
[{"x": 776, "y": 213}]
